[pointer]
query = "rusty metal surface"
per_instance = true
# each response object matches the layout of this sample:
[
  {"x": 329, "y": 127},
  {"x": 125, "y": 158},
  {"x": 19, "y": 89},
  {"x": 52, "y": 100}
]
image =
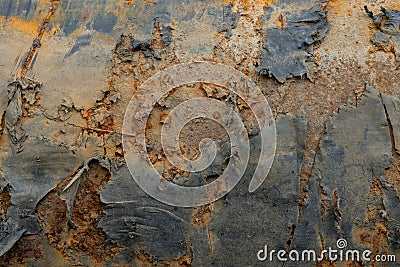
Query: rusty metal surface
[{"x": 68, "y": 70}]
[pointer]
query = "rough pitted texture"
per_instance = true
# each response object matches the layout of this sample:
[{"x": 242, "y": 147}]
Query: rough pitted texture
[
  {"x": 134, "y": 219},
  {"x": 31, "y": 175},
  {"x": 242, "y": 222},
  {"x": 354, "y": 151},
  {"x": 388, "y": 39},
  {"x": 392, "y": 107},
  {"x": 68, "y": 70}
]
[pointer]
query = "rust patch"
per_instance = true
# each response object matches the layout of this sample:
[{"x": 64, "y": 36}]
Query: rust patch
[
  {"x": 5, "y": 199},
  {"x": 27, "y": 27},
  {"x": 250, "y": 5},
  {"x": 338, "y": 7},
  {"x": 37, "y": 42},
  {"x": 145, "y": 260},
  {"x": 28, "y": 247},
  {"x": 129, "y": 2},
  {"x": 374, "y": 236},
  {"x": 325, "y": 263},
  {"x": 85, "y": 239},
  {"x": 52, "y": 215},
  {"x": 202, "y": 215},
  {"x": 281, "y": 21},
  {"x": 86, "y": 213}
]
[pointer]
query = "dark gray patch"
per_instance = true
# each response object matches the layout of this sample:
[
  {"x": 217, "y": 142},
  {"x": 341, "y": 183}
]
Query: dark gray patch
[
  {"x": 165, "y": 31},
  {"x": 145, "y": 47},
  {"x": 70, "y": 24},
  {"x": 229, "y": 20},
  {"x": 25, "y": 9},
  {"x": 104, "y": 23},
  {"x": 242, "y": 222},
  {"x": 135, "y": 220},
  {"x": 73, "y": 11},
  {"x": 289, "y": 49},
  {"x": 166, "y": 34},
  {"x": 392, "y": 107},
  {"x": 127, "y": 45},
  {"x": 215, "y": 170}
]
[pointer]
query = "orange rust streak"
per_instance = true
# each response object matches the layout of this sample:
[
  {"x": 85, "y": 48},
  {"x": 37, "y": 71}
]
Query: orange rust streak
[
  {"x": 131, "y": 2},
  {"x": 250, "y": 4},
  {"x": 42, "y": 30}
]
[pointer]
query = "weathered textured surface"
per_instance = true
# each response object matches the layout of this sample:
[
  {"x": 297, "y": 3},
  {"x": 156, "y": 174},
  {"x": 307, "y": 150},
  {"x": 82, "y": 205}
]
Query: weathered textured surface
[
  {"x": 30, "y": 175},
  {"x": 354, "y": 151},
  {"x": 69, "y": 68},
  {"x": 289, "y": 45},
  {"x": 242, "y": 222},
  {"x": 392, "y": 109},
  {"x": 133, "y": 219},
  {"x": 388, "y": 22}
]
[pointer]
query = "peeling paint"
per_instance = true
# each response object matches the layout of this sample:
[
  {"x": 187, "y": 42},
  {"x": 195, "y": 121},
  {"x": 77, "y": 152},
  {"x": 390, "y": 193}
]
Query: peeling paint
[
  {"x": 388, "y": 22},
  {"x": 289, "y": 43}
]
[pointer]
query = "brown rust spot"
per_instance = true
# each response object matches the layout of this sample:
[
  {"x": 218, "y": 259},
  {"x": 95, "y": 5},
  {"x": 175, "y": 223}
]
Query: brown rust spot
[
  {"x": 5, "y": 199},
  {"x": 86, "y": 239},
  {"x": 28, "y": 247},
  {"x": 281, "y": 21},
  {"x": 144, "y": 260},
  {"x": 375, "y": 234},
  {"x": 250, "y": 5},
  {"x": 52, "y": 216},
  {"x": 325, "y": 263},
  {"x": 202, "y": 215},
  {"x": 337, "y": 7},
  {"x": 86, "y": 213}
]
